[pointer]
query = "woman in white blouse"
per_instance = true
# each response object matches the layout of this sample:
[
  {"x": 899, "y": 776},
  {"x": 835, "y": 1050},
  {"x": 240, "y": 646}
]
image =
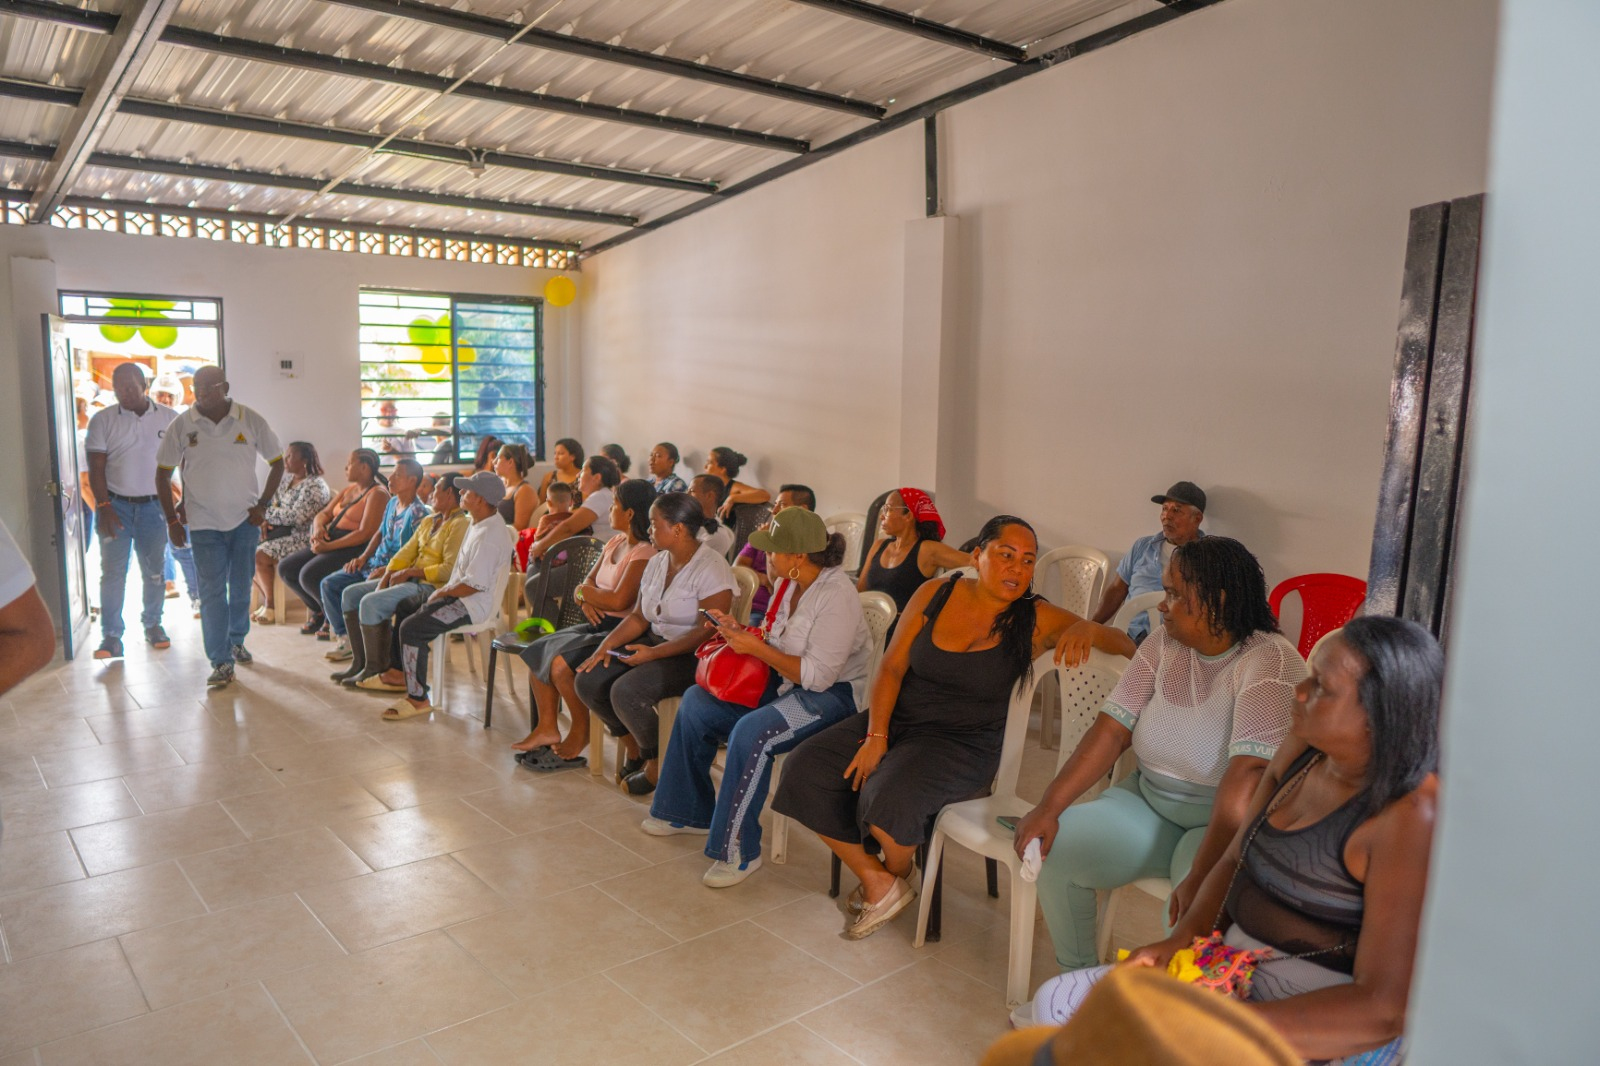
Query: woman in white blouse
[
  {"x": 1204, "y": 705},
  {"x": 649, "y": 656},
  {"x": 818, "y": 648}
]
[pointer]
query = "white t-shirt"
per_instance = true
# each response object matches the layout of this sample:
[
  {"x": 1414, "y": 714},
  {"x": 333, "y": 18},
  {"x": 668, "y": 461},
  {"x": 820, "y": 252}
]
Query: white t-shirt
[
  {"x": 599, "y": 503},
  {"x": 719, "y": 540},
  {"x": 219, "y": 463},
  {"x": 16, "y": 576},
  {"x": 485, "y": 557},
  {"x": 1191, "y": 713},
  {"x": 130, "y": 442},
  {"x": 673, "y": 610}
]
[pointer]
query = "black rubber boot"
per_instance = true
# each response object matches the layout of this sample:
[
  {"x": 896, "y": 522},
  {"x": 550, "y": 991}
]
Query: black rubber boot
[
  {"x": 375, "y": 650},
  {"x": 358, "y": 648}
]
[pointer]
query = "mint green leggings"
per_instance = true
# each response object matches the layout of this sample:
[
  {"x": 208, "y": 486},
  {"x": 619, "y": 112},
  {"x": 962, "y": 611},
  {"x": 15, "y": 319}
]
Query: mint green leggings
[{"x": 1126, "y": 833}]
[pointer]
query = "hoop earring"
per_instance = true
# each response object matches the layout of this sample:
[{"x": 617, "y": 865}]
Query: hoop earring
[{"x": 794, "y": 573}]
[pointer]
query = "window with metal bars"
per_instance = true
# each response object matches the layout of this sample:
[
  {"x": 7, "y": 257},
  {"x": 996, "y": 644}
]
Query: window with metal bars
[{"x": 441, "y": 371}]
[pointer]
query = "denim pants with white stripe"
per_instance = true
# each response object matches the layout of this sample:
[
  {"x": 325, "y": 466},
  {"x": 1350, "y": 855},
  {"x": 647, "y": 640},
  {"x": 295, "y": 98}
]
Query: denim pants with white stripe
[{"x": 732, "y": 813}]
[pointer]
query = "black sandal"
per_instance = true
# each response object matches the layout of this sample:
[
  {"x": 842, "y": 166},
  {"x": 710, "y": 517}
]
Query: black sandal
[
  {"x": 314, "y": 623},
  {"x": 637, "y": 784},
  {"x": 545, "y": 760},
  {"x": 628, "y": 768}
]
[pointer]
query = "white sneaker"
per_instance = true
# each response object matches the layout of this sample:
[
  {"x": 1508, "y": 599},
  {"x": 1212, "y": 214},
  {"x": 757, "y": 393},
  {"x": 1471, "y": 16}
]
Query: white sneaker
[
  {"x": 340, "y": 652},
  {"x": 728, "y": 874},
  {"x": 658, "y": 828}
]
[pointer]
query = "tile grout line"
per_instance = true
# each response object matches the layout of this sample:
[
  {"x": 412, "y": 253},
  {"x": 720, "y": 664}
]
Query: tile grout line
[
  {"x": 298, "y": 1039},
  {"x": 148, "y": 1008},
  {"x": 830, "y": 1043},
  {"x": 316, "y": 918},
  {"x": 654, "y": 1014}
]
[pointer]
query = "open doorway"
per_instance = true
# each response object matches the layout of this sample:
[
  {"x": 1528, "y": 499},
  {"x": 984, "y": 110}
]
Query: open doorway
[{"x": 170, "y": 337}]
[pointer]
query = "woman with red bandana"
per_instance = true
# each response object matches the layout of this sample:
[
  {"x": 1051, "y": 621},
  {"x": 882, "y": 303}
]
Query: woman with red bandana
[{"x": 910, "y": 550}]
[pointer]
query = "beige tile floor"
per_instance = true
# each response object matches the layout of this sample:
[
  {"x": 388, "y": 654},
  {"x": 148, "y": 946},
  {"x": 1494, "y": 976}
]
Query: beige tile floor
[{"x": 271, "y": 874}]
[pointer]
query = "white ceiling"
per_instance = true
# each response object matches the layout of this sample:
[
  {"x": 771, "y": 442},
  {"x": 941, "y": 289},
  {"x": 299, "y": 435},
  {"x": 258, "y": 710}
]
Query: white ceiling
[{"x": 781, "y": 40}]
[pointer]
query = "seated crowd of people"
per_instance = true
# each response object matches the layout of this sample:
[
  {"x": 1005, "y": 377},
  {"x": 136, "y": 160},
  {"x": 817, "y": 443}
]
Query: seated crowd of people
[{"x": 1291, "y": 804}]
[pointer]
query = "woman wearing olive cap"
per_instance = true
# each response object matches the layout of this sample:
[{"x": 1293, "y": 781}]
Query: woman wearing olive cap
[{"x": 818, "y": 648}]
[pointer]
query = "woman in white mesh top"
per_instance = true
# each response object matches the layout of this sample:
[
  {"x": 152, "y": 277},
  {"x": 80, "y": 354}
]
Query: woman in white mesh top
[{"x": 1204, "y": 704}]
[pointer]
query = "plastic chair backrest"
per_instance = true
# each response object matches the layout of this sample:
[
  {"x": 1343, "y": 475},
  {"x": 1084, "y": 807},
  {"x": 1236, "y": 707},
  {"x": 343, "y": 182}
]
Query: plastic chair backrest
[
  {"x": 853, "y": 524},
  {"x": 1017, "y": 716},
  {"x": 879, "y": 611},
  {"x": 568, "y": 563},
  {"x": 747, "y": 518},
  {"x": 748, "y": 582},
  {"x": 1327, "y": 601},
  {"x": 1133, "y": 606},
  {"x": 1084, "y": 690},
  {"x": 1080, "y": 574}
]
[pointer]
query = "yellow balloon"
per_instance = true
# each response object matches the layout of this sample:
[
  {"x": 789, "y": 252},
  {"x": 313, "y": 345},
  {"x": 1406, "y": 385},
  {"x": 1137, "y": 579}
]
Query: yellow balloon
[
  {"x": 559, "y": 291},
  {"x": 466, "y": 355},
  {"x": 435, "y": 360}
]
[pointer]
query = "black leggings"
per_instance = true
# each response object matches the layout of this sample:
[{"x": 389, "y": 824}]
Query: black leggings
[{"x": 304, "y": 570}]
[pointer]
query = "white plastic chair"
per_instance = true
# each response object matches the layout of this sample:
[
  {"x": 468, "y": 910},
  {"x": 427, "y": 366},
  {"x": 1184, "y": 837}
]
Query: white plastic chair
[
  {"x": 853, "y": 524},
  {"x": 973, "y": 823},
  {"x": 879, "y": 610},
  {"x": 1072, "y": 578},
  {"x": 1144, "y": 603},
  {"x": 748, "y": 583}
]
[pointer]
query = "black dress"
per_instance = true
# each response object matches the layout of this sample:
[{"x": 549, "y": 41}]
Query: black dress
[
  {"x": 944, "y": 746},
  {"x": 899, "y": 583}
]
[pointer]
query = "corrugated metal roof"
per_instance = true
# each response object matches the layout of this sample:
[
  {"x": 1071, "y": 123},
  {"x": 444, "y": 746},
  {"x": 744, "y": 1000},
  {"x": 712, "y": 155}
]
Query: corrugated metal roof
[{"x": 779, "y": 40}]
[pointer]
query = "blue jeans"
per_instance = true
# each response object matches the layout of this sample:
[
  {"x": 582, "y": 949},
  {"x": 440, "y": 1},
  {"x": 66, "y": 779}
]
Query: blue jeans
[
  {"x": 225, "y": 560},
  {"x": 685, "y": 794},
  {"x": 182, "y": 559},
  {"x": 141, "y": 528},
  {"x": 333, "y": 590},
  {"x": 376, "y": 605}
]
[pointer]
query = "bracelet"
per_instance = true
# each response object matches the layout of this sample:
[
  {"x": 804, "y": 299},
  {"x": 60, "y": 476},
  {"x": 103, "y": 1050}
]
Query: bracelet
[{"x": 882, "y": 736}]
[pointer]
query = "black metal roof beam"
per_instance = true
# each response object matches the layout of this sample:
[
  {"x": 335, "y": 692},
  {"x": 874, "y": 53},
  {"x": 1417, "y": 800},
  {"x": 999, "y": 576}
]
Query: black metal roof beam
[
  {"x": 921, "y": 27},
  {"x": 324, "y": 223},
  {"x": 501, "y": 30},
  {"x": 206, "y": 172},
  {"x": 356, "y": 68},
  {"x": 1092, "y": 43},
  {"x": 95, "y": 22},
  {"x": 133, "y": 42},
  {"x": 16, "y": 88}
]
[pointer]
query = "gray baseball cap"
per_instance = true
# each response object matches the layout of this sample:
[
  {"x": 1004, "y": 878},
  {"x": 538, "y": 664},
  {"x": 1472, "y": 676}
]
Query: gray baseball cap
[{"x": 485, "y": 484}]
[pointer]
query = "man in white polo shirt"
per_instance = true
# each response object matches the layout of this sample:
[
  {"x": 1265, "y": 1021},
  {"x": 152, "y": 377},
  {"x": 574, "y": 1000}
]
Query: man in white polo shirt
[
  {"x": 217, "y": 441},
  {"x": 122, "y": 441}
]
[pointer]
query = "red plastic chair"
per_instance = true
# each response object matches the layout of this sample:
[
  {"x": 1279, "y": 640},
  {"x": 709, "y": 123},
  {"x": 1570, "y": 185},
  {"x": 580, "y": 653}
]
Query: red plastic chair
[{"x": 1327, "y": 602}]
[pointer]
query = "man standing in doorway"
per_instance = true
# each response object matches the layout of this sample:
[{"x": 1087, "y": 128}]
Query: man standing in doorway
[
  {"x": 1183, "y": 508},
  {"x": 121, "y": 443},
  {"x": 217, "y": 441}
]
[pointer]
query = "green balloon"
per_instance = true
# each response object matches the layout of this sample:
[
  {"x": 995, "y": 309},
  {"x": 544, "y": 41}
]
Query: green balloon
[
  {"x": 159, "y": 336},
  {"x": 428, "y": 333},
  {"x": 118, "y": 334}
]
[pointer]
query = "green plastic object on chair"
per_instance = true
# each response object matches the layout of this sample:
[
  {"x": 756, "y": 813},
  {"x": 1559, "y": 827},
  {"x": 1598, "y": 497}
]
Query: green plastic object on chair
[{"x": 529, "y": 626}]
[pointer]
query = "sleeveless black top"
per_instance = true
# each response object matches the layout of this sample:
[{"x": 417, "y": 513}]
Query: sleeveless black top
[
  {"x": 899, "y": 583},
  {"x": 1294, "y": 891},
  {"x": 953, "y": 693}
]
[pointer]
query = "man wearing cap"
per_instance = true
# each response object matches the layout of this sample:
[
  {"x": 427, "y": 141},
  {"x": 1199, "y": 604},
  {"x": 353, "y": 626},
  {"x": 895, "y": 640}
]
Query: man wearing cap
[
  {"x": 121, "y": 442},
  {"x": 1183, "y": 508},
  {"x": 467, "y": 595},
  {"x": 217, "y": 442}
]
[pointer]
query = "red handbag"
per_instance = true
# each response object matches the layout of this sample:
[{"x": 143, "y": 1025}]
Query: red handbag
[{"x": 734, "y": 676}]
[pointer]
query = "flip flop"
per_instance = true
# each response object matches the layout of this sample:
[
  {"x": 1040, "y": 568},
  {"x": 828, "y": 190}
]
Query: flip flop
[
  {"x": 402, "y": 709},
  {"x": 545, "y": 760},
  {"x": 375, "y": 683}
]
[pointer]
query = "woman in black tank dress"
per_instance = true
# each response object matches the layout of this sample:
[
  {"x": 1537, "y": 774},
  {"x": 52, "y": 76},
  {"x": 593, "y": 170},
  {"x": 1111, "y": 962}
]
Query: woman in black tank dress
[
  {"x": 1329, "y": 870},
  {"x": 937, "y": 716},
  {"x": 910, "y": 550}
]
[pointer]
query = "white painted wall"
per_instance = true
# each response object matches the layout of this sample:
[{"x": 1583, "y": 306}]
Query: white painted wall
[
  {"x": 1507, "y": 971},
  {"x": 1178, "y": 257},
  {"x": 770, "y": 324},
  {"x": 301, "y": 303}
]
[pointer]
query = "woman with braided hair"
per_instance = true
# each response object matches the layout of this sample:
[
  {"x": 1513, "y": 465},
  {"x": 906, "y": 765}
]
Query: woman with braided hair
[
  {"x": 1204, "y": 705},
  {"x": 935, "y": 718}
]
